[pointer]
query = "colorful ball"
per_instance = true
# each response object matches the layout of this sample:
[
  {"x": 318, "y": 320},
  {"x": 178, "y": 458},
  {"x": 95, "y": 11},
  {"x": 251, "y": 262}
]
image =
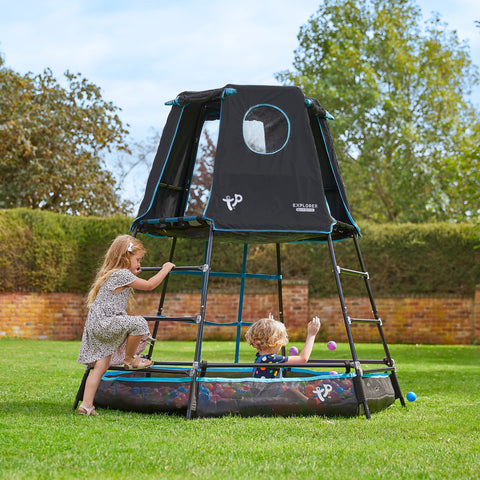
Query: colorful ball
[
  {"x": 293, "y": 351},
  {"x": 411, "y": 396},
  {"x": 331, "y": 345}
]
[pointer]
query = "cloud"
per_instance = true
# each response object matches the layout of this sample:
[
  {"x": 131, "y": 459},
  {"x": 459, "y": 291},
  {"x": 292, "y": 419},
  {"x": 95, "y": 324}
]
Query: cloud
[{"x": 144, "y": 52}]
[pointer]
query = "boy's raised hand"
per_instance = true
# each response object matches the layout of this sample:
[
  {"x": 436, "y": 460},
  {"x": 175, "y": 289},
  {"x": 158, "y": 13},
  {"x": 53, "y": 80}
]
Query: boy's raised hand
[{"x": 313, "y": 326}]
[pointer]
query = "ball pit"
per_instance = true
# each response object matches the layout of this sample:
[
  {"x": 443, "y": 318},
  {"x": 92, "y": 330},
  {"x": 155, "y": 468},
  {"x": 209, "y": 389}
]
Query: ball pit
[{"x": 304, "y": 392}]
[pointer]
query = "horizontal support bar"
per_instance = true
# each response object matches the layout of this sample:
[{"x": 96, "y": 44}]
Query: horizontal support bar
[
  {"x": 157, "y": 370},
  {"x": 237, "y": 275},
  {"x": 230, "y": 324},
  {"x": 195, "y": 319},
  {"x": 171, "y": 187},
  {"x": 279, "y": 365},
  {"x": 201, "y": 268},
  {"x": 373, "y": 370},
  {"x": 352, "y": 272},
  {"x": 179, "y": 221},
  {"x": 377, "y": 321},
  {"x": 182, "y": 219}
]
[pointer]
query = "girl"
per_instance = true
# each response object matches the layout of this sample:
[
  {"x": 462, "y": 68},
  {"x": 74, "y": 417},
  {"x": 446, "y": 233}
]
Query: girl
[
  {"x": 268, "y": 336},
  {"x": 108, "y": 324}
]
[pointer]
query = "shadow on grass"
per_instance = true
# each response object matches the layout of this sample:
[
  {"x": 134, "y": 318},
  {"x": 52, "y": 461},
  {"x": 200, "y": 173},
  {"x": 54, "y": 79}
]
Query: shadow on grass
[{"x": 35, "y": 408}]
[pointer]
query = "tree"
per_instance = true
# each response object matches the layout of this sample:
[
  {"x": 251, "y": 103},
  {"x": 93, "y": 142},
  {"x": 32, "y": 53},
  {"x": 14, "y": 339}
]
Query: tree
[
  {"x": 138, "y": 163},
  {"x": 202, "y": 175},
  {"x": 51, "y": 143},
  {"x": 405, "y": 130},
  {"x": 132, "y": 168}
]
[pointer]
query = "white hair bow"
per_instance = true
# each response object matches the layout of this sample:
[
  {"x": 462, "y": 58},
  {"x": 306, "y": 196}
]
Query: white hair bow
[{"x": 129, "y": 249}]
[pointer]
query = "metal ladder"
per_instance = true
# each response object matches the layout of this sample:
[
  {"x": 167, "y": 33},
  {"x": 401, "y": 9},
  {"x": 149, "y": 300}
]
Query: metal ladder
[
  {"x": 198, "y": 365},
  {"x": 375, "y": 321},
  {"x": 199, "y": 319}
]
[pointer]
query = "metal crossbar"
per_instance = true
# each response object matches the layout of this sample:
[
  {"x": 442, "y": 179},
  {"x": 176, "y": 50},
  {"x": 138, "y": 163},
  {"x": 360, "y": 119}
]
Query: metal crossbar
[
  {"x": 164, "y": 318},
  {"x": 352, "y": 272},
  {"x": 377, "y": 321}
]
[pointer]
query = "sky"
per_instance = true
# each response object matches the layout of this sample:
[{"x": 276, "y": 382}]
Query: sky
[{"x": 142, "y": 53}]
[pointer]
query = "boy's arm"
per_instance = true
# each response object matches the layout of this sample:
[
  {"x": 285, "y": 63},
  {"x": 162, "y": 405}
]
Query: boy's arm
[{"x": 304, "y": 355}]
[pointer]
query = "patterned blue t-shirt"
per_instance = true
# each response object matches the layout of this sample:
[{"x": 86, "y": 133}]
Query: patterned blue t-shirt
[{"x": 267, "y": 371}]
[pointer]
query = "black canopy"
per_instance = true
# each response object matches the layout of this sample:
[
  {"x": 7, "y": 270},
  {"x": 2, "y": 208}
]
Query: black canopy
[{"x": 276, "y": 175}]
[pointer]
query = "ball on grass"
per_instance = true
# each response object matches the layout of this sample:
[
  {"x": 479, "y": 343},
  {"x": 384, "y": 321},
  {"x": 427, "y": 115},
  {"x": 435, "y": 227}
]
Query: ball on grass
[
  {"x": 293, "y": 351},
  {"x": 411, "y": 396},
  {"x": 331, "y": 345}
]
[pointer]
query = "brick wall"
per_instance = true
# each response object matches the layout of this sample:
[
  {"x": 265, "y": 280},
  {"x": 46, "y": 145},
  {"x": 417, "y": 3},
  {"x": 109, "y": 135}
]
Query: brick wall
[
  {"x": 60, "y": 316},
  {"x": 51, "y": 316}
]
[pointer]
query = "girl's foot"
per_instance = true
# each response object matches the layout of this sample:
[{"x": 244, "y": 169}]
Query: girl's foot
[
  {"x": 88, "y": 411},
  {"x": 137, "y": 363}
]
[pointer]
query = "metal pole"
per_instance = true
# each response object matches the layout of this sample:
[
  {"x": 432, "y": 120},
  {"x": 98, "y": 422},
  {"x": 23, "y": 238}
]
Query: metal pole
[
  {"x": 390, "y": 362},
  {"x": 358, "y": 369},
  {"x": 192, "y": 399},
  {"x": 240, "y": 303}
]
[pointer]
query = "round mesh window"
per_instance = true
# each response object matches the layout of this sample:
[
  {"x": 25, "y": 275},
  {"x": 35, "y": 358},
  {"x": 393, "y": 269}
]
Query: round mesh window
[{"x": 266, "y": 129}]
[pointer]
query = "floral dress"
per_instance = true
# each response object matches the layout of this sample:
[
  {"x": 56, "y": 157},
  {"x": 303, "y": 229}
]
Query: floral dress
[{"x": 108, "y": 323}]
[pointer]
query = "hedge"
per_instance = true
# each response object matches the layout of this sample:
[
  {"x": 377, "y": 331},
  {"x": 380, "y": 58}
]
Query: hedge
[{"x": 48, "y": 252}]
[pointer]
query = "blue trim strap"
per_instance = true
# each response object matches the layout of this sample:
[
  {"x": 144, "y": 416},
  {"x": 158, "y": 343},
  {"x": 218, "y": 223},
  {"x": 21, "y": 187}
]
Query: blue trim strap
[{"x": 228, "y": 91}]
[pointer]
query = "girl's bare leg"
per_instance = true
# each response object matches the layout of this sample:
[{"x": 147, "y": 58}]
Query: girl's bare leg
[
  {"x": 133, "y": 341},
  {"x": 93, "y": 380}
]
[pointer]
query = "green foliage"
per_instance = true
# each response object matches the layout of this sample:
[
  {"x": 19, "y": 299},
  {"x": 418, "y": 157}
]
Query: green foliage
[
  {"x": 420, "y": 259},
  {"x": 405, "y": 132},
  {"x": 52, "y": 139},
  {"x": 49, "y": 252}
]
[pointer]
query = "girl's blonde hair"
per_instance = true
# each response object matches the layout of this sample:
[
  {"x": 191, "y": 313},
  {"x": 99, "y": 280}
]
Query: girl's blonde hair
[
  {"x": 117, "y": 257},
  {"x": 267, "y": 333}
]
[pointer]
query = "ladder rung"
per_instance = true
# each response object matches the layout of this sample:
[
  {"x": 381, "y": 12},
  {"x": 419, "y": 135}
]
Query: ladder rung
[
  {"x": 195, "y": 319},
  {"x": 201, "y": 268},
  {"x": 377, "y": 321},
  {"x": 352, "y": 272}
]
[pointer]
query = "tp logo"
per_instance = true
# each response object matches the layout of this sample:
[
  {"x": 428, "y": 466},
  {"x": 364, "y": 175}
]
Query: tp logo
[
  {"x": 322, "y": 393},
  {"x": 232, "y": 202}
]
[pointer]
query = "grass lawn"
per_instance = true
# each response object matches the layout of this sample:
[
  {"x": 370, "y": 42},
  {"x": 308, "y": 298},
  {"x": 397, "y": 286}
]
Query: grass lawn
[{"x": 437, "y": 436}]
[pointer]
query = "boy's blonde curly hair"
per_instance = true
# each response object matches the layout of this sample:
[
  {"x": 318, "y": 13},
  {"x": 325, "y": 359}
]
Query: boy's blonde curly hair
[{"x": 267, "y": 333}]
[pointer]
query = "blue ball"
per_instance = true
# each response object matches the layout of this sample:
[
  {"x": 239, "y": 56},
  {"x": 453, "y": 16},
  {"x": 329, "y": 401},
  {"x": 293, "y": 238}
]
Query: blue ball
[{"x": 411, "y": 396}]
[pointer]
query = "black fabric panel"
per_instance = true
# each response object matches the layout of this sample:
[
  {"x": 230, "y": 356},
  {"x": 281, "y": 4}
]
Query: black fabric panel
[
  {"x": 281, "y": 195},
  {"x": 185, "y": 98},
  {"x": 166, "y": 141},
  {"x": 167, "y": 186},
  {"x": 332, "y": 180},
  {"x": 282, "y": 191}
]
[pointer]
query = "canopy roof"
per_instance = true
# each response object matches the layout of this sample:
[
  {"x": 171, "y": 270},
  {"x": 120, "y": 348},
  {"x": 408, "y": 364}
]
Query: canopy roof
[{"x": 276, "y": 176}]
